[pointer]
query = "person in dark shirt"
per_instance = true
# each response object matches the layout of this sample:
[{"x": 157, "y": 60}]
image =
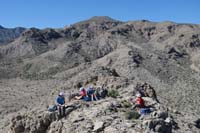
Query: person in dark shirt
[{"x": 60, "y": 103}]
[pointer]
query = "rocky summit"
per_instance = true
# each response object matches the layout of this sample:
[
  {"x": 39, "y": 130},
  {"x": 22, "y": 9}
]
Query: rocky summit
[{"x": 37, "y": 64}]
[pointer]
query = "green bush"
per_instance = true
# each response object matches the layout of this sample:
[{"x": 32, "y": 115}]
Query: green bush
[
  {"x": 113, "y": 93},
  {"x": 27, "y": 67},
  {"x": 53, "y": 70},
  {"x": 125, "y": 104},
  {"x": 132, "y": 115}
]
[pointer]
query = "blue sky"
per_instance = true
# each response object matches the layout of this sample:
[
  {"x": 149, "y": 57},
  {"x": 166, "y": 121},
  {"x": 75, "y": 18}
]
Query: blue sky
[{"x": 59, "y": 13}]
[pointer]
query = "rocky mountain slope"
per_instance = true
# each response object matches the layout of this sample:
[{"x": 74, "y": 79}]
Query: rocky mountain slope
[
  {"x": 8, "y": 35},
  {"x": 40, "y": 63}
]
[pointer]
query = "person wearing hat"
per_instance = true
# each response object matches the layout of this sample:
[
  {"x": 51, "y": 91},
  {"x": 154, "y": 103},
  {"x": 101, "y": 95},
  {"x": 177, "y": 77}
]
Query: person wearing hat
[
  {"x": 139, "y": 102},
  {"x": 60, "y": 103},
  {"x": 82, "y": 93},
  {"x": 91, "y": 94}
]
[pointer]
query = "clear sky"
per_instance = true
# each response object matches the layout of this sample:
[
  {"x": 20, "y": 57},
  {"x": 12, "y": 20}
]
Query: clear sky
[{"x": 59, "y": 13}]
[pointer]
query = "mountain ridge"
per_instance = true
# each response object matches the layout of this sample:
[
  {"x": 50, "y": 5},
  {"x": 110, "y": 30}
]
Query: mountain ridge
[
  {"x": 9, "y": 34},
  {"x": 105, "y": 52}
]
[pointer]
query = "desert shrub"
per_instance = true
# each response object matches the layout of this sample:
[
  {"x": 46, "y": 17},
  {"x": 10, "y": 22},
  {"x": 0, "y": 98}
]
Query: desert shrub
[
  {"x": 131, "y": 115},
  {"x": 27, "y": 67},
  {"x": 19, "y": 60},
  {"x": 113, "y": 93},
  {"x": 53, "y": 70},
  {"x": 125, "y": 104}
]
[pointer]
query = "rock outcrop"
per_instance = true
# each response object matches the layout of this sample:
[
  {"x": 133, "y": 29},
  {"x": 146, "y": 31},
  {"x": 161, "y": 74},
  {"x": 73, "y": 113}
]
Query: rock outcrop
[
  {"x": 105, "y": 52},
  {"x": 106, "y": 115}
]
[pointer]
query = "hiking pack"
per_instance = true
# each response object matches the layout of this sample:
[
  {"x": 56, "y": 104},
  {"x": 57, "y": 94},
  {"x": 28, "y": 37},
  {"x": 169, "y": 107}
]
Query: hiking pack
[
  {"x": 101, "y": 92},
  {"x": 52, "y": 108}
]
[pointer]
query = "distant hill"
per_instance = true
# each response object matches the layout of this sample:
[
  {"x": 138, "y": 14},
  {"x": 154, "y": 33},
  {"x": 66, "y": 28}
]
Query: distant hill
[{"x": 8, "y": 35}]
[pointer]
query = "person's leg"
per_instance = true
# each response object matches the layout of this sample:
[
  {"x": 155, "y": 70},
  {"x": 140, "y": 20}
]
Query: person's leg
[
  {"x": 96, "y": 99},
  {"x": 59, "y": 112},
  {"x": 92, "y": 97},
  {"x": 63, "y": 110}
]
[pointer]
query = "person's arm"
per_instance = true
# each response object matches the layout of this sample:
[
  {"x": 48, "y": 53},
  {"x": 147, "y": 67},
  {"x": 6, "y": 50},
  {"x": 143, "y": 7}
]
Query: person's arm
[{"x": 78, "y": 97}]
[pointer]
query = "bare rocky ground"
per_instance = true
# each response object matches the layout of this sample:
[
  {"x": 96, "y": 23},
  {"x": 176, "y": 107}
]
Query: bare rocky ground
[{"x": 40, "y": 63}]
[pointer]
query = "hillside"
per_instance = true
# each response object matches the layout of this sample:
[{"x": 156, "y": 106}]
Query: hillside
[
  {"x": 40, "y": 63},
  {"x": 8, "y": 35}
]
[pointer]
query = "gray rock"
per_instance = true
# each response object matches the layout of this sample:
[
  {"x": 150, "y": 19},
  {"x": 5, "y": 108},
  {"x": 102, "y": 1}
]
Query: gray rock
[
  {"x": 157, "y": 125},
  {"x": 111, "y": 129},
  {"x": 98, "y": 126}
]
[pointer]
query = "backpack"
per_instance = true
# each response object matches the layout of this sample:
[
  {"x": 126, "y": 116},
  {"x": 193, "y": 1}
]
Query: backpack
[
  {"x": 103, "y": 93},
  {"x": 52, "y": 108}
]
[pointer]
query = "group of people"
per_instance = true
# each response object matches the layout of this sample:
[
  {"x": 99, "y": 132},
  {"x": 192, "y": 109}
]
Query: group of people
[
  {"x": 87, "y": 95},
  {"x": 91, "y": 94}
]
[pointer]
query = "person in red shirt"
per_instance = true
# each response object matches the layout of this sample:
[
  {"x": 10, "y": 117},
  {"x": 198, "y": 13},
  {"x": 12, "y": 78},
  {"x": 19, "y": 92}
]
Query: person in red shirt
[
  {"x": 82, "y": 94},
  {"x": 139, "y": 102}
]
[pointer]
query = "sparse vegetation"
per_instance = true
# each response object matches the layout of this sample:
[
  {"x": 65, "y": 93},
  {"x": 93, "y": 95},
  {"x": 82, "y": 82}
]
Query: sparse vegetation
[
  {"x": 111, "y": 54},
  {"x": 27, "y": 67},
  {"x": 132, "y": 115},
  {"x": 125, "y": 104},
  {"x": 113, "y": 93}
]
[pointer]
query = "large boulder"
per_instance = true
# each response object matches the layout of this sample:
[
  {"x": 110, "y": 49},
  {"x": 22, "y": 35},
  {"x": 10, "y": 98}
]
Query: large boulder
[
  {"x": 146, "y": 90},
  {"x": 157, "y": 125},
  {"x": 39, "y": 121},
  {"x": 98, "y": 126},
  {"x": 32, "y": 122}
]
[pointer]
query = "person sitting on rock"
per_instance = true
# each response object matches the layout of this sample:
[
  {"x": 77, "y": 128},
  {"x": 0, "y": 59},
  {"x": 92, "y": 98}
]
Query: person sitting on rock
[
  {"x": 91, "y": 94},
  {"x": 82, "y": 94},
  {"x": 139, "y": 102},
  {"x": 140, "y": 105},
  {"x": 60, "y": 103}
]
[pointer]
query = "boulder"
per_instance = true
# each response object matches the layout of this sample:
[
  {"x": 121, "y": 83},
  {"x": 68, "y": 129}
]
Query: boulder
[
  {"x": 32, "y": 122},
  {"x": 160, "y": 114},
  {"x": 197, "y": 123},
  {"x": 157, "y": 125},
  {"x": 39, "y": 121},
  {"x": 56, "y": 127},
  {"x": 146, "y": 90},
  {"x": 110, "y": 129},
  {"x": 98, "y": 126}
]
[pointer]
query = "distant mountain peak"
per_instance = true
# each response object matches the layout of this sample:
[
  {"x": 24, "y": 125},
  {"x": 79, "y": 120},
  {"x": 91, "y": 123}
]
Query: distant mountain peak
[
  {"x": 1, "y": 27},
  {"x": 98, "y": 20},
  {"x": 9, "y": 34},
  {"x": 102, "y": 18}
]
